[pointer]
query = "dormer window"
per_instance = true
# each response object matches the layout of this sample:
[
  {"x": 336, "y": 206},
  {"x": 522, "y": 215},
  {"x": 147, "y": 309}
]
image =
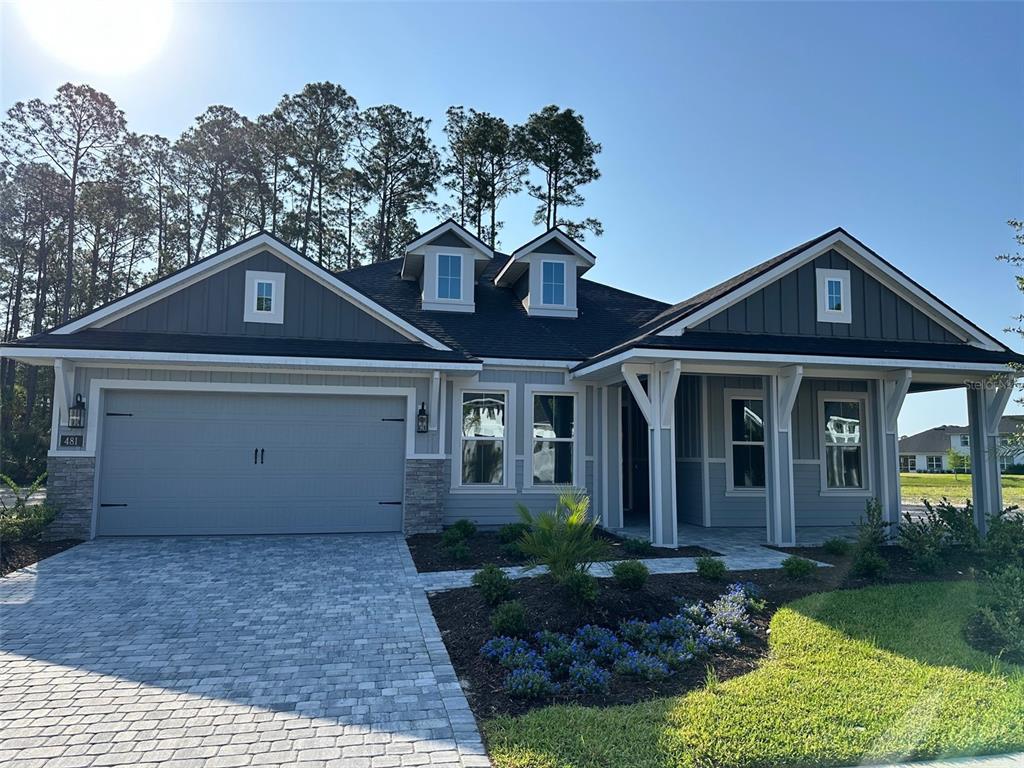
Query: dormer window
[
  {"x": 449, "y": 276},
  {"x": 833, "y": 296},
  {"x": 553, "y": 283},
  {"x": 264, "y": 297}
]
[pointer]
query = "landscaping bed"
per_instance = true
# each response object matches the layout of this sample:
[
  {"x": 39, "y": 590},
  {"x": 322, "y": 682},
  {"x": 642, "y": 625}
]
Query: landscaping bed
[
  {"x": 19, "y": 554},
  {"x": 430, "y": 555}
]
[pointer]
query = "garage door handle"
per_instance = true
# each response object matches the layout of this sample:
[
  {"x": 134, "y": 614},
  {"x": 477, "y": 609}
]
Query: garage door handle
[
  {"x": 255, "y": 454},
  {"x": 261, "y": 455},
  {"x": 390, "y": 503}
]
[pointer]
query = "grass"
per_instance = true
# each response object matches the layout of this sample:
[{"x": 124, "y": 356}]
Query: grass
[
  {"x": 916, "y": 486},
  {"x": 853, "y": 676}
]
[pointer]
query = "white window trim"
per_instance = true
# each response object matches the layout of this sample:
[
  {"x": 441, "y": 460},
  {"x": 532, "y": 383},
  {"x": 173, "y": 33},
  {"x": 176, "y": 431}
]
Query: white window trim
[
  {"x": 928, "y": 463},
  {"x": 508, "y": 468},
  {"x": 565, "y": 280},
  {"x": 577, "y": 441},
  {"x": 276, "y": 314},
  {"x": 728, "y": 396},
  {"x": 867, "y": 451},
  {"x": 826, "y": 315},
  {"x": 437, "y": 279}
]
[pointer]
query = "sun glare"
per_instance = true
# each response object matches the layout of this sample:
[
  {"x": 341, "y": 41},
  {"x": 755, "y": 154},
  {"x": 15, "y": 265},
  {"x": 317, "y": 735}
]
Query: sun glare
[{"x": 106, "y": 36}]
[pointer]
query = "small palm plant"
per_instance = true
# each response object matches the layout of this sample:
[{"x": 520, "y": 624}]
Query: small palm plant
[
  {"x": 22, "y": 520},
  {"x": 563, "y": 538}
]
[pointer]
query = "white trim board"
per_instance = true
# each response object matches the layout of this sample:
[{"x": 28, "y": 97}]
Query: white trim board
[
  {"x": 874, "y": 265},
  {"x": 218, "y": 262},
  {"x": 579, "y": 437}
]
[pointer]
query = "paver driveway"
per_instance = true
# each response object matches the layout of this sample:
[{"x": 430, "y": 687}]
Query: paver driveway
[{"x": 269, "y": 650}]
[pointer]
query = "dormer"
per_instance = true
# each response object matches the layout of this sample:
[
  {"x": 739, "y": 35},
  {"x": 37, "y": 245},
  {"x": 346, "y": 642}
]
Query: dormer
[
  {"x": 447, "y": 261},
  {"x": 544, "y": 272}
]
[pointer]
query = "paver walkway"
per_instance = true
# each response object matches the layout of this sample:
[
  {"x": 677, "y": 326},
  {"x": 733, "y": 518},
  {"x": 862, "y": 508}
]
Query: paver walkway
[
  {"x": 740, "y": 550},
  {"x": 221, "y": 652}
]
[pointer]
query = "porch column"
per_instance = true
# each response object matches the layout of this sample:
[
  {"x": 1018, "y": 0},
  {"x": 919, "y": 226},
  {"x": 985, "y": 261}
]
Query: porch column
[
  {"x": 892, "y": 391},
  {"x": 658, "y": 407},
  {"x": 780, "y": 395},
  {"x": 985, "y": 405}
]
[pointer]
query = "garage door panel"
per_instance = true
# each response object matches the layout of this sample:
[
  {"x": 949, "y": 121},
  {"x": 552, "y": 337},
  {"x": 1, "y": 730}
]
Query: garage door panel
[{"x": 183, "y": 463}]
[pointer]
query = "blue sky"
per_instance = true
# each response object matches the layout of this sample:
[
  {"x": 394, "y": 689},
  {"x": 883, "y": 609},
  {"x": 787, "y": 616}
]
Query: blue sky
[{"x": 731, "y": 131}]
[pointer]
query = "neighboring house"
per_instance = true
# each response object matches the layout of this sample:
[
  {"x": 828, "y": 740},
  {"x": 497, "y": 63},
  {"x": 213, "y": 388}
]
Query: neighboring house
[
  {"x": 928, "y": 451},
  {"x": 255, "y": 392}
]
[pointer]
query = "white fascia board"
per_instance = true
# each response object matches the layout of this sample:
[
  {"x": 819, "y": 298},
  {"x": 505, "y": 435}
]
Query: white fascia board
[
  {"x": 450, "y": 226},
  {"x": 34, "y": 354},
  {"x": 513, "y": 362},
  {"x": 808, "y": 361},
  {"x": 876, "y": 267},
  {"x": 204, "y": 268}
]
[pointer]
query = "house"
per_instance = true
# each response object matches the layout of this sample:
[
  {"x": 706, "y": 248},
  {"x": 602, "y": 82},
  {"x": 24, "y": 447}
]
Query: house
[
  {"x": 928, "y": 451},
  {"x": 256, "y": 392}
]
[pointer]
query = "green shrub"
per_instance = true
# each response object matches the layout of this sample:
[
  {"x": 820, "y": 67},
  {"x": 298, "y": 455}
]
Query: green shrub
[
  {"x": 838, "y": 547},
  {"x": 509, "y": 620},
  {"x": 452, "y": 536},
  {"x": 1004, "y": 544},
  {"x": 466, "y": 528},
  {"x": 582, "y": 587},
  {"x": 1002, "y": 610},
  {"x": 22, "y": 520},
  {"x": 493, "y": 584},
  {"x": 513, "y": 552},
  {"x": 631, "y": 574},
  {"x": 958, "y": 522},
  {"x": 873, "y": 531},
  {"x": 562, "y": 539},
  {"x": 798, "y": 568},
  {"x": 710, "y": 568},
  {"x": 457, "y": 551},
  {"x": 868, "y": 563},
  {"x": 637, "y": 547},
  {"x": 512, "y": 533},
  {"x": 925, "y": 539}
]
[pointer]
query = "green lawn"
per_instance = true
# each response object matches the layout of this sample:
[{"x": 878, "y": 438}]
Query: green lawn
[
  {"x": 865, "y": 675},
  {"x": 916, "y": 486}
]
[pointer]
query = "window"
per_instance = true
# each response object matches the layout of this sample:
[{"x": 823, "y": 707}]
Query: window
[
  {"x": 965, "y": 441},
  {"x": 553, "y": 282},
  {"x": 483, "y": 438},
  {"x": 746, "y": 443},
  {"x": 554, "y": 434},
  {"x": 449, "y": 276},
  {"x": 833, "y": 295},
  {"x": 934, "y": 463},
  {"x": 264, "y": 296},
  {"x": 907, "y": 464},
  {"x": 844, "y": 444}
]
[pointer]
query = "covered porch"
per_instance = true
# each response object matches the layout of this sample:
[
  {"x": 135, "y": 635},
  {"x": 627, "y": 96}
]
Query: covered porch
[{"x": 771, "y": 449}]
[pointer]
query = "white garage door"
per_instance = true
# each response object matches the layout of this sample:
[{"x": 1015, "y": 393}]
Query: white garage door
[{"x": 228, "y": 463}]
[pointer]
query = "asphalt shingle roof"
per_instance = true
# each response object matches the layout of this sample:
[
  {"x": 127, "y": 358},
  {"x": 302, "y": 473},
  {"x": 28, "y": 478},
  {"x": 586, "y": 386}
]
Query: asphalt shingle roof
[{"x": 500, "y": 327}]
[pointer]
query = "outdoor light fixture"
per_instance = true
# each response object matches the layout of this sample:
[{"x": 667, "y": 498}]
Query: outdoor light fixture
[
  {"x": 76, "y": 413},
  {"x": 421, "y": 418}
]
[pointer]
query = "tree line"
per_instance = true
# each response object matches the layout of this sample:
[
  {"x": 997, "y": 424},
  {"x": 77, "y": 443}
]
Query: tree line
[{"x": 90, "y": 210}]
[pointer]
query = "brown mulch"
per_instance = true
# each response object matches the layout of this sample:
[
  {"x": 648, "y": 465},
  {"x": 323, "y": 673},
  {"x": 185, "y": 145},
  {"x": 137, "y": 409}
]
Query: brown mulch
[
  {"x": 484, "y": 547},
  {"x": 18, "y": 554},
  {"x": 464, "y": 620}
]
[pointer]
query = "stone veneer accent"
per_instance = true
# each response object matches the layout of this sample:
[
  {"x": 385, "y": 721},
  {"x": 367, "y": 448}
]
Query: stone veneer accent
[
  {"x": 69, "y": 489},
  {"x": 426, "y": 483}
]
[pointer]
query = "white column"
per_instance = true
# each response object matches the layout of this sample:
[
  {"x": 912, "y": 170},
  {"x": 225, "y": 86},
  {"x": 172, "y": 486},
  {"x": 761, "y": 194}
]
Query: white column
[
  {"x": 780, "y": 395},
  {"x": 985, "y": 406},
  {"x": 892, "y": 391}
]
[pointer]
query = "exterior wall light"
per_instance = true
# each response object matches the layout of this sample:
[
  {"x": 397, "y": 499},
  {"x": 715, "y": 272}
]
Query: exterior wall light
[
  {"x": 422, "y": 422},
  {"x": 76, "y": 413}
]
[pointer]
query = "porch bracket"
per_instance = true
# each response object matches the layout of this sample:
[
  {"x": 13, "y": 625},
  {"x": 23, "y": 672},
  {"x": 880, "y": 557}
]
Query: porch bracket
[
  {"x": 435, "y": 401},
  {"x": 895, "y": 391},
  {"x": 64, "y": 371},
  {"x": 668, "y": 397},
  {"x": 789, "y": 386},
  {"x": 995, "y": 406},
  {"x": 629, "y": 373}
]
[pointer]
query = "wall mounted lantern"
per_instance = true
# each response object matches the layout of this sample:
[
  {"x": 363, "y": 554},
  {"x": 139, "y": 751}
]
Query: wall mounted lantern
[
  {"x": 422, "y": 422},
  {"x": 76, "y": 413}
]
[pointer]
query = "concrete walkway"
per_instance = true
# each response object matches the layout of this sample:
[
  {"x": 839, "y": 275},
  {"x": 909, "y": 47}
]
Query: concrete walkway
[
  {"x": 231, "y": 651},
  {"x": 994, "y": 761},
  {"x": 741, "y": 549}
]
